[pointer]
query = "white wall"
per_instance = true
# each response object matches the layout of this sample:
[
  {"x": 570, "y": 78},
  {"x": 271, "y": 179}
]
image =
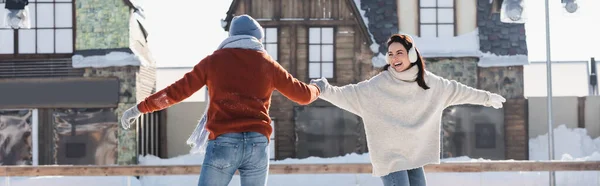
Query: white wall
[
  {"x": 181, "y": 122},
  {"x": 165, "y": 76},
  {"x": 568, "y": 79},
  {"x": 564, "y": 112}
]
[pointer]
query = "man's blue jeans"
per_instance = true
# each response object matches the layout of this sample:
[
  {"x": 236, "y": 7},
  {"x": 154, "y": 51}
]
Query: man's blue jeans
[
  {"x": 247, "y": 152},
  {"x": 413, "y": 177}
]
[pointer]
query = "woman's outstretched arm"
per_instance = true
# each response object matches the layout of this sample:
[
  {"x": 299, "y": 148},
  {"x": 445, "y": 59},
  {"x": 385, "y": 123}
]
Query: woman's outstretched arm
[{"x": 345, "y": 97}]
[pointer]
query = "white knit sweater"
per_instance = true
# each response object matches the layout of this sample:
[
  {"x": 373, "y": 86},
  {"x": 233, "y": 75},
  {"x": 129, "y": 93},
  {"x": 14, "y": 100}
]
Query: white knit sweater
[{"x": 402, "y": 120}]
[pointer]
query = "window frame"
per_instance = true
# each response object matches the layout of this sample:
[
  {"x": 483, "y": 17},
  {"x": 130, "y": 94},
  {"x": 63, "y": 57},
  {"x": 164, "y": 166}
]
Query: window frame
[
  {"x": 264, "y": 41},
  {"x": 54, "y": 55},
  {"x": 334, "y": 55},
  {"x": 437, "y": 23}
]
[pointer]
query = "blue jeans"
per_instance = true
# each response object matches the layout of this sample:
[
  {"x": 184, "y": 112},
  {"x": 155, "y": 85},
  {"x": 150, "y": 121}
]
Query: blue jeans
[
  {"x": 246, "y": 152},
  {"x": 413, "y": 177}
]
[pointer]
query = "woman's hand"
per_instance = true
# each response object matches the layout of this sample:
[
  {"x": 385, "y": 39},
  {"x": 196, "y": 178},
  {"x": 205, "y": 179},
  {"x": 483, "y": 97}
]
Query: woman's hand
[
  {"x": 495, "y": 100},
  {"x": 129, "y": 116},
  {"x": 321, "y": 83}
]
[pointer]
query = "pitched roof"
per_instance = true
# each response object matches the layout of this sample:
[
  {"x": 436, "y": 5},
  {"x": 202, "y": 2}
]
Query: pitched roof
[{"x": 353, "y": 7}]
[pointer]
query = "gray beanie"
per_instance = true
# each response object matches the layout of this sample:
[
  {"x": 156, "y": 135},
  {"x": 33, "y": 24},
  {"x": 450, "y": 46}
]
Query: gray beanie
[{"x": 245, "y": 25}]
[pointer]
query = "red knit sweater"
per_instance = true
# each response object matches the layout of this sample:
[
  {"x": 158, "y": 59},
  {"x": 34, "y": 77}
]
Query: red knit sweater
[{"x": 240, "y": 83}]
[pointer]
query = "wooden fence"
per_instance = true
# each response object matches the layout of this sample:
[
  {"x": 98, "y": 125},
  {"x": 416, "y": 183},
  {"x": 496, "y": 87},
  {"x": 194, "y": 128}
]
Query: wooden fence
[{"x": 142, "y": 170}]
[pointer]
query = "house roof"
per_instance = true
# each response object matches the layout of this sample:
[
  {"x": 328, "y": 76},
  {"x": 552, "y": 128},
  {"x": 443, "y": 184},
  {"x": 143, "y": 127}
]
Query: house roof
[{"x": 354, "y": 7}]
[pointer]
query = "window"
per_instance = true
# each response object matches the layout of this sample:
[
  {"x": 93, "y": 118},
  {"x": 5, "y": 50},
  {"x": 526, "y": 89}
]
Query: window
[
  {"x": 321, "y": 53},
  {"x": 327, "y": 131},
  {"x": 436, "y": 18},
  {"x": 51, "y": 29},
  {"x": 270, "y": 42}
]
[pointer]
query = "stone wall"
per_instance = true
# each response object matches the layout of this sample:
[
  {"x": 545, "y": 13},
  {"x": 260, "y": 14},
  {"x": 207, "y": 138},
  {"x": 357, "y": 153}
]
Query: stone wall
[
  {"x": 506, "y": 81},
  {"x": 101, "y": 24},
  {"x": 127, "y": 147},
  {"x": 463, "y": 70}
]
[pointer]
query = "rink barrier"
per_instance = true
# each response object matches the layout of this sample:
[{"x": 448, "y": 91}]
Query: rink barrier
[{"x": 147, "y": 170}]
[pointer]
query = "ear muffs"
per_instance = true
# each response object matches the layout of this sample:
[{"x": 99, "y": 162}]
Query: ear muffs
[{"x": 412, "y": 52}]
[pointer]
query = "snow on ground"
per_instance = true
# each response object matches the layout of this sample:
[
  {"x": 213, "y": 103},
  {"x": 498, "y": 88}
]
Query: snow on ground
[
  {"x": 570, "y": 144},
  {"x": 69, "y": 181}
]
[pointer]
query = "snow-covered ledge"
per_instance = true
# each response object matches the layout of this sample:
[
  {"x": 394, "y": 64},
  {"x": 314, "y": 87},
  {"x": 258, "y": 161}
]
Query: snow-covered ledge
[
  {"x": 111, "y": 59},
  {"x": 465, "y": 45},
  {"x": 492, "y": 60}
]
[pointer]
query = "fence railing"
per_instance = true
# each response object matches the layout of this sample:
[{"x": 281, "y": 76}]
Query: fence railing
[{"x": 146, "y": 170}]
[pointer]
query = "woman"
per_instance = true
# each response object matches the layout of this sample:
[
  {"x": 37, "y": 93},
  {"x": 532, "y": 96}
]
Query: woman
[{"x": 402, "y": 109}]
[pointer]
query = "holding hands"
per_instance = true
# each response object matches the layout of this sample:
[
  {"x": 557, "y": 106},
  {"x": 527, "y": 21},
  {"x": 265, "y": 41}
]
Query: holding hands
[{"x": 322, "y": 83}]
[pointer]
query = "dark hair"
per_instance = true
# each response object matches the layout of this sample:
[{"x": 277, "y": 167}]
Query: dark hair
[{"x": 408, "y": 43}]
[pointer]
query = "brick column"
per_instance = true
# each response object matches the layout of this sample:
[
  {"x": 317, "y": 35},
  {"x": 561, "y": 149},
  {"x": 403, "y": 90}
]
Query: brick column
[{"x": 515, "y": 124}]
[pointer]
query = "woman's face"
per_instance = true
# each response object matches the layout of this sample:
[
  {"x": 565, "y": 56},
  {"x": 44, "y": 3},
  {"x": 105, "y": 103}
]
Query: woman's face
[{"x": 398, "y": 57}]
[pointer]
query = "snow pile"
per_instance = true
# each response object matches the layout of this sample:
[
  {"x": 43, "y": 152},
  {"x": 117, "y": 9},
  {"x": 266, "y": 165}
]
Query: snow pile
[
  {"x": 488, "y": 59},
  {"x": 569, "y": 144},
  {"x": 349, "y": 158},
  {"x": 111, "y": 59},
  {"x": 465, "y": 45}
]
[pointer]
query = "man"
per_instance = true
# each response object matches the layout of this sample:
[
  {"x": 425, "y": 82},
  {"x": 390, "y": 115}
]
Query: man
[{"x": 240, "y": 77}]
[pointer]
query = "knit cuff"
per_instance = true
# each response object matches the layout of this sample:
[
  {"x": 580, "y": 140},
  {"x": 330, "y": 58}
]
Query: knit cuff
[{"x": 488, "y": 95}]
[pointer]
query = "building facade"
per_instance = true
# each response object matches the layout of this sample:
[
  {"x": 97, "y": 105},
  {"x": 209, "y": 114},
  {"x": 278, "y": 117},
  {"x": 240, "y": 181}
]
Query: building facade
[
  {"x": 344, "y": 40},
  {"x": 69, "y": 77}
]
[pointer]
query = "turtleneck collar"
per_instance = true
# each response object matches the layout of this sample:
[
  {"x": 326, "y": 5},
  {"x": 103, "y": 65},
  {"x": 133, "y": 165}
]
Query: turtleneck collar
[{"x": 406, "y": 75}]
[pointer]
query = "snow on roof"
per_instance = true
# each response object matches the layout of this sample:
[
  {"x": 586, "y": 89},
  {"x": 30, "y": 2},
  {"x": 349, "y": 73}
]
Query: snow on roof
[
  {"x": 492, "y": 60},
  {"x": 374, "y": 47},
  {"x": 465, "y": 45},
  {"x": 379, "y": 59},
  {"x": 114, "y": 58}
]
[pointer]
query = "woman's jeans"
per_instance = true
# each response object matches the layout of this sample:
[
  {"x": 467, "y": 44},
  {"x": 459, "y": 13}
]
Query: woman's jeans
[
  {"x": 413, "y": 177},
  {"x": 246, "y": 152}
]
